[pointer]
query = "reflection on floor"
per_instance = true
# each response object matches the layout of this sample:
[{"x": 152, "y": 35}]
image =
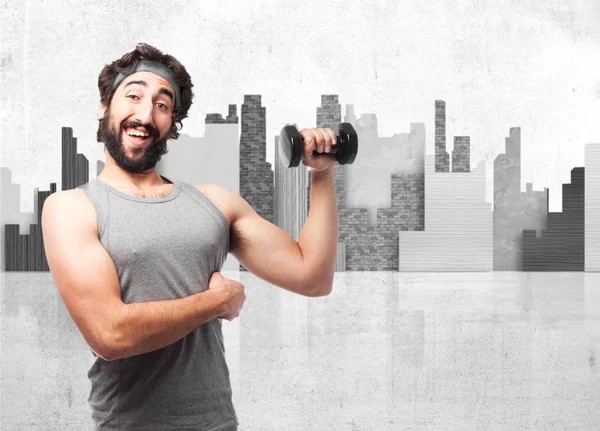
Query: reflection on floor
[{"x": 384, "y": 351}]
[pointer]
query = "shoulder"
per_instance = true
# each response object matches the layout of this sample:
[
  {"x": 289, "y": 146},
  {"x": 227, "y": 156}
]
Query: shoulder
[
  {"x": 74, "y": 200},
  {"x": 72, "y": 205},
  {"x": 240, "y": 215},
  {"x": 229, "y": 202}
]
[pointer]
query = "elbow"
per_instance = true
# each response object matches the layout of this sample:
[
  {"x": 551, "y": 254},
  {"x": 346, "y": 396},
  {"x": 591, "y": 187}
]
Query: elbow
[
  {"x": 111, "y": 353},
  {"x": 321, "y": 291},
  {"x": 113, "y": 350},
  {"x": 118, "y": 341},
  {"x": 321, "y": 288},
  {"x": 104, "y": 351},
  {"x": 107, "y": 346},
  {"x": 104, "y": 354}
]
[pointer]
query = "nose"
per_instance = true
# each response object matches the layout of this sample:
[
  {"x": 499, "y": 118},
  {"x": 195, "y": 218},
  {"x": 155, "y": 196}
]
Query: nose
[{"x": 143, "y": 112}]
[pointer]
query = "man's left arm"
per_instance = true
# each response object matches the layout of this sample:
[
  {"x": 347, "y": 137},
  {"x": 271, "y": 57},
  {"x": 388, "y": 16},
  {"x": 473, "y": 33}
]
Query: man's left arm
[{"x": 306, "y": 266}]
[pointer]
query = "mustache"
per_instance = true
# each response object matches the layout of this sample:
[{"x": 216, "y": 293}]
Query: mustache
[{"x": 152, "y": 131}]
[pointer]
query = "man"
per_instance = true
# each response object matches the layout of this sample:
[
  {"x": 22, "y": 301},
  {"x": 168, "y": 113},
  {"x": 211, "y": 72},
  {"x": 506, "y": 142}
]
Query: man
[{"x": 136, "y": 257}]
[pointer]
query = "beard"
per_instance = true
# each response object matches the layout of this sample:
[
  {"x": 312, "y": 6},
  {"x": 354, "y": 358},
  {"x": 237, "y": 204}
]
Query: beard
[{"x": 113, "y": 142}]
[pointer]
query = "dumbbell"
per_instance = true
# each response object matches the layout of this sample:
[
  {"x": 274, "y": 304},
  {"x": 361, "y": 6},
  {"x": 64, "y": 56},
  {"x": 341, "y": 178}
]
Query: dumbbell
[{"x": 291, "y": 146}]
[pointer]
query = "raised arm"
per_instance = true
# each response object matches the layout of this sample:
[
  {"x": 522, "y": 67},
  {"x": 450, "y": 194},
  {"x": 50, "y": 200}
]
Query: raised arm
[
  {"x": 87, "y": 281},
  {"x": 305, "y": 266}
]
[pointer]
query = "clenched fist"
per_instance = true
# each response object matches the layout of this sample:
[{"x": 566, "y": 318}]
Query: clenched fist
[
  {"x": 320, "y": 140},
  {"x": 232, "y": 293}
]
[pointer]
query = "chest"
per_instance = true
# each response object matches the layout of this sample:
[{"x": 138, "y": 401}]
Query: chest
[{"x": 155, "y": 234}]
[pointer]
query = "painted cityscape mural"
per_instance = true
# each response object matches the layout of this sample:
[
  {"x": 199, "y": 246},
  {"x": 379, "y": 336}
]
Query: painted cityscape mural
[{"x": 399, "y": 208}]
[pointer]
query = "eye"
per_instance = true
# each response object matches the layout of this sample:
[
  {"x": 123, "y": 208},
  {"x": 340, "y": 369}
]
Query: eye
[
  {"x": 162, "y": 106},
  {"x": 133, "y": 96}
]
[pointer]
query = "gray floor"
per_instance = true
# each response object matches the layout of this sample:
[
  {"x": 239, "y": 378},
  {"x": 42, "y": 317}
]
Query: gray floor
[{"x": 385, "y": 351}]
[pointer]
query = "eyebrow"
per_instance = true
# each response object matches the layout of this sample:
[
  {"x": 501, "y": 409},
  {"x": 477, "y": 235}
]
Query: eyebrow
[{"x": 145, "y": 84}]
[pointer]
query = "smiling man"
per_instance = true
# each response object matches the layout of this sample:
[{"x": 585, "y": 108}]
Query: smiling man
[{"x": 136, "y": 257}]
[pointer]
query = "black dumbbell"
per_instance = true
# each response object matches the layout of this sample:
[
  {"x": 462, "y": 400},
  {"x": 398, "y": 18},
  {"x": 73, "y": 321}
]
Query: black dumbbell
[{"x": 291, "y": 146}]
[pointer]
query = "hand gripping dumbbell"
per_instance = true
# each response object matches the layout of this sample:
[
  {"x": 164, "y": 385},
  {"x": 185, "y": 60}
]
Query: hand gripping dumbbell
[{"x": 291, "y": 146}]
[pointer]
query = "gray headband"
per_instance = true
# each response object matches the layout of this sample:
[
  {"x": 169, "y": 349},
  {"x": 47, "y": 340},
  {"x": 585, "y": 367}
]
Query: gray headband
[{"x": 156, "y": 68}]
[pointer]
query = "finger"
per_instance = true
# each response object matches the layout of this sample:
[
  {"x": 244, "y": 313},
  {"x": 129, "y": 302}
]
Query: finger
[
  {"x": 322, "y": 138},
  {"x": 310, "y": 143},
  {"x": 333, "y": 136},
  {"x": 328, "y": 136}
]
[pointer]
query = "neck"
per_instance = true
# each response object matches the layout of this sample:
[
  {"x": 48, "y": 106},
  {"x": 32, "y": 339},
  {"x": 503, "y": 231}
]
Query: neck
[{"x": 116, "y": 176}]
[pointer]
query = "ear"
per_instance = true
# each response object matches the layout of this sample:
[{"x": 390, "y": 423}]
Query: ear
[{"x": 101, "y": 111}]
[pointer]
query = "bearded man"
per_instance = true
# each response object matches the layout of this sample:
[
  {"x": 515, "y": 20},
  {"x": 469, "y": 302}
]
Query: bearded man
[{"x": 136, "y": 257}]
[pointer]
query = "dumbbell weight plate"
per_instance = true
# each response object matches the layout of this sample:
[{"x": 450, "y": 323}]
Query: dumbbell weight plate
[
  {"x": 290, "y": 146},
  {"x": 347, "y": 144}
]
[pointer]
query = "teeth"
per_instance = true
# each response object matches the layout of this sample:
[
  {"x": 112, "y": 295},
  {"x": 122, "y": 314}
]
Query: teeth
[{"x": 136, "y": 133}]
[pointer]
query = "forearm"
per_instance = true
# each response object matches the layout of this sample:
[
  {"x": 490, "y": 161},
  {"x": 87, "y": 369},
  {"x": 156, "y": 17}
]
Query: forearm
[
  {"x": 319, "y": 237},
  {"x": 143, "y": 327}
]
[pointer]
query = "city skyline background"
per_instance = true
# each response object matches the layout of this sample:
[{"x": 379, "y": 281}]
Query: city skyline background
[
  {"x": 497, "y": 67},
  {"x": 434, "y": 215},
  {"x": 533, "y": 65}
]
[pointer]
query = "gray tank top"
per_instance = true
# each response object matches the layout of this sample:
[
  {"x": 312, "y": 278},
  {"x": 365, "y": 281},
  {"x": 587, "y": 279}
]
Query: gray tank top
[{"x": 163, "y": 248}]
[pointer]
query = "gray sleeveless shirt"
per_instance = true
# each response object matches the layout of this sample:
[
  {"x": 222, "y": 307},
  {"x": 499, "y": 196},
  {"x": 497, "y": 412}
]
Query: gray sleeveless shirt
[{"x": 163, "y": 248}]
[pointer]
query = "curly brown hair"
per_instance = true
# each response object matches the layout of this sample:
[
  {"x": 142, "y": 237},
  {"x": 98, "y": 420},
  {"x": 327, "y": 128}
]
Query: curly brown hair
[{"x": 144, "y": 51}]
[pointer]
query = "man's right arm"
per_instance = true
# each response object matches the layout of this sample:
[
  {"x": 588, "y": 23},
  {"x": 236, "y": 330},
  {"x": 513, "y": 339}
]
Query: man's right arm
[{"x": 87, "y": 280}]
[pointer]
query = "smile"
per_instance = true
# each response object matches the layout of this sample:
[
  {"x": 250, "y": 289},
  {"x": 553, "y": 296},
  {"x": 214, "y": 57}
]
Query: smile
[{"x": 137, "y": 137}]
